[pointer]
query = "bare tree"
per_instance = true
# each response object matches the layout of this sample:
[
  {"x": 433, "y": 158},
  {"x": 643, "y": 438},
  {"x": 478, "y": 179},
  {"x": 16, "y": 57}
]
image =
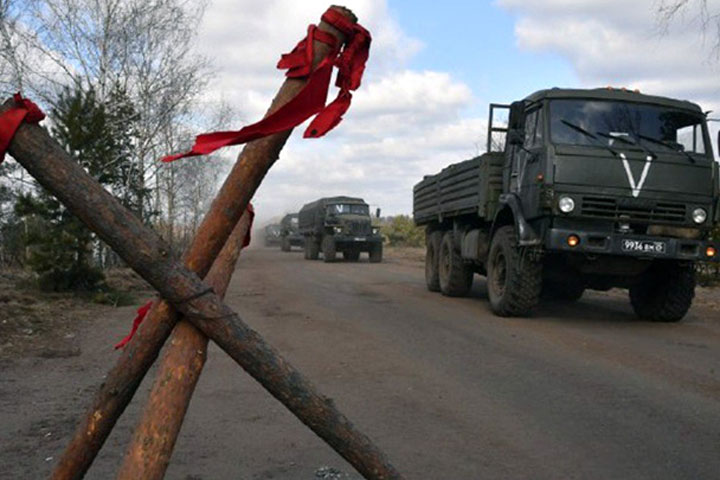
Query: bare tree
[
  {"x": 142, "y": 48},
  {"x": 700, "y": 14}
]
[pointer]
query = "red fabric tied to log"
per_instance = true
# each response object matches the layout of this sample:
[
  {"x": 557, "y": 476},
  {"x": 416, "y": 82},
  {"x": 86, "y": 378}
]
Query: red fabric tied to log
[
  {"x": 143, "y": 311},
  {"x": 23, "y": 111},
  {"x": 311, "y": 99}
]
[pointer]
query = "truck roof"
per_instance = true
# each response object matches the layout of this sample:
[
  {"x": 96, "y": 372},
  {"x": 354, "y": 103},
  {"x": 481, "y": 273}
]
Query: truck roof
[
  {"x": 330, "y": 200},
  {"x": 612, "y": 94}
]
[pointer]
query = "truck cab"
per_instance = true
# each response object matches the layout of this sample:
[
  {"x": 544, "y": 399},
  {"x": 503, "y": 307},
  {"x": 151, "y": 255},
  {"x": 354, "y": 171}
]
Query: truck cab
[
  {"x": 290, "y": 232},
  {"x": 595, "y": 189}
]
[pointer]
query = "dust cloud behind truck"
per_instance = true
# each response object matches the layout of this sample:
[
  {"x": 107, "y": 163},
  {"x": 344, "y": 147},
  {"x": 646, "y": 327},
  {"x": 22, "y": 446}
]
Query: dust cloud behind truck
[
  {"x": 339, "y": 224},
  {"x": 592, "y": 189}
]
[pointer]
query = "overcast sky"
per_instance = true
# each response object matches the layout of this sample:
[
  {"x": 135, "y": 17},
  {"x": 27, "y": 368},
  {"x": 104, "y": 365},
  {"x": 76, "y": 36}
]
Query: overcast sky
[{"x": 433, "y": 69}]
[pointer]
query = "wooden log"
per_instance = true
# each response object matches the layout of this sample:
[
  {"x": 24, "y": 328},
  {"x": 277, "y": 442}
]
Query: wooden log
[
  {"x": 122, "y": 381},
  {"x": 150, "y": 449},
  {"x": 146, "y": 253}
]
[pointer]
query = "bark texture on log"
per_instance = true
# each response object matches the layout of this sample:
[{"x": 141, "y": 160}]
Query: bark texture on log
[
  {"x": 122, "y": 381},
  {"x": 151, "y": 446}
]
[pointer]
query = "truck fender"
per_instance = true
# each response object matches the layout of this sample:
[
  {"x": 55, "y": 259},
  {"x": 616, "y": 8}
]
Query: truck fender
[{"x": 509, "y": 205}]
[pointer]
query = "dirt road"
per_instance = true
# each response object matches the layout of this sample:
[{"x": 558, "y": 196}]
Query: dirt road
[{"x": 447, "y": 389}]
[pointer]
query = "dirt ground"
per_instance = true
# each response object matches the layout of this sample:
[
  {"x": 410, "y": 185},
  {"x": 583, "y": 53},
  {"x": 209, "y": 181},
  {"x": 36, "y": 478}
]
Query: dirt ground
[{"x": 445, "y": 388}]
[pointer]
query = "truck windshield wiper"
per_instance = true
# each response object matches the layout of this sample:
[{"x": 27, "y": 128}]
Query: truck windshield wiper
[
  {"x": 598, "y": 142},
  {"x": 629, "y": 139},
  {"x": 667, "y": 145}
]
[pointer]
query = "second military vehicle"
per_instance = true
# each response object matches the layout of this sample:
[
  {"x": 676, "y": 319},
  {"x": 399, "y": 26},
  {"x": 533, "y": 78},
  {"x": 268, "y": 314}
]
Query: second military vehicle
[
  {"x": 339, "y": 224},
  {"x": 272, "y": 235},
  {"x": 290, "y": 233},
  {"x": 594, "y": 189}
]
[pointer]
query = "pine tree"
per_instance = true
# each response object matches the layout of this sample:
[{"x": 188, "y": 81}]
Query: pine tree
[{"x": 62, "y": 247}]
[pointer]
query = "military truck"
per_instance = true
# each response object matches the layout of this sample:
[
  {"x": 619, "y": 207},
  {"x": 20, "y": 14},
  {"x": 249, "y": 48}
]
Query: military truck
[
  {"x": 290, "y": 233},
  {"x": 339, "y": 224},
  {"x": 590, "y": 189},
  {"x": 272, "y": 235}
]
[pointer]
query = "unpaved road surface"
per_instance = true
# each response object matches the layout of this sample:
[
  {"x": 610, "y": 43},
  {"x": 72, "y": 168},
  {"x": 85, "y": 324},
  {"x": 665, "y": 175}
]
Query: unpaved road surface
[{"x": 449, "y": 391}]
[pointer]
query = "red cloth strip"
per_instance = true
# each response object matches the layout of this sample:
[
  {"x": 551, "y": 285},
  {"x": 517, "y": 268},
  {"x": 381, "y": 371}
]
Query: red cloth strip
[
  {"x": 143, "y": 311},
  {"x": 312, "y": 98},
  {"x": 23, "y": 111}
]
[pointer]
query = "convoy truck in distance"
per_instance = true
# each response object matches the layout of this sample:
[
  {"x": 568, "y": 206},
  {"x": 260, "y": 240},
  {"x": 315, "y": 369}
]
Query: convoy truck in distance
[
  {"x": 592, "y": 189},
  {"x": 339, "y": 224},
  {"x": 290, "y": 233},
  {"x": 272, "y": 235}
]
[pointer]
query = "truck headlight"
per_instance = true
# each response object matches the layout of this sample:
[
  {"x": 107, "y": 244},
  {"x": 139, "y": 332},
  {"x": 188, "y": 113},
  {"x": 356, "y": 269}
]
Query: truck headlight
[
  {"x": 566, "y": 204},
  {"x": 338, "y": 229},
  {"x": 699, "y": 215},
  {"x": 375, "y": 230}
]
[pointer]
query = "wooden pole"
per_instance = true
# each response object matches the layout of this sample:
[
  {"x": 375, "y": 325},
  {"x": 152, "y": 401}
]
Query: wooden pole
[
  {"x": 122, "y": 381},
  {"x": 146, "y": 253},
  {"x": 150, "y": 449}
]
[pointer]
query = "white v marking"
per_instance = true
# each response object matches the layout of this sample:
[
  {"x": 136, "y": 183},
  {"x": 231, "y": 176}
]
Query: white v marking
[{"x": 636, "y": 188}]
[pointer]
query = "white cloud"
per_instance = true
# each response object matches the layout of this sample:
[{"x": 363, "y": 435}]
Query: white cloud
[
  {"x": 622, "y": 43},
  {"x": 402, "y": 125}
]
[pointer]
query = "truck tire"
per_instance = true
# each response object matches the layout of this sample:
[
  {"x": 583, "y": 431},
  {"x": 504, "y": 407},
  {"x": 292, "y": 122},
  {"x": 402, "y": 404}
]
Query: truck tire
[
  {"x": 328, "y": 249},
  {"x": 664, "y": 293},
  {"x": 562, "y": 291},
  {"x": 285, "y": 244},
  {"x": 514, "y": 281},
  {"x": 455, "y": 276},
  {"x": 311, "y": 249},
  {"x": 376, "y": 252},
  {"x": 352, "y": 255},
  {"x": 432, "y": 250}
]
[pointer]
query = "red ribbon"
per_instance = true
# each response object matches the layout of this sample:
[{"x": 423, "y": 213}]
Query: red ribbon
[
  {"x": 23, "y": 111},
  {"x": 311, "y": 99},
  {"x": 143, "y": 311}
]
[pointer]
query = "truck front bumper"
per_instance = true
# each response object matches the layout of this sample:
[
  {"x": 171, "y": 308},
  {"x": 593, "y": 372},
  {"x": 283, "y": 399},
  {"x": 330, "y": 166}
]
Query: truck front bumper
[
  {"x": 637, "y": 246},
  {"x": 349, "y": 239}
]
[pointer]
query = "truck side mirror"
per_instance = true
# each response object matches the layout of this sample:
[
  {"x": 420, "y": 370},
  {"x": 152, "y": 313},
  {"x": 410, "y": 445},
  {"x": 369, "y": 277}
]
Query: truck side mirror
[
  {"x": 377, "y": 213},
  {"x": 515, "y": 136}
]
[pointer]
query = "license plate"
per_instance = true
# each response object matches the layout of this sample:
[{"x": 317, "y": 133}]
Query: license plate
[
  {"x": 359, "y": 239},
  {"x": 644, "y": 246}
]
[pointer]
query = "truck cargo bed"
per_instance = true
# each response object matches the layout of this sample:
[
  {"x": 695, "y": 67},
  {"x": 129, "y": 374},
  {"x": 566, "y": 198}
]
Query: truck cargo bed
[{"x": 471, "y": 187}]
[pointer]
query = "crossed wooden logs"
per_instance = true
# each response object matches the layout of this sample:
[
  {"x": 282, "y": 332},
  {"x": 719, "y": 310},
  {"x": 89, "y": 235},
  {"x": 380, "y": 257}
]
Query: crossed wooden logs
[{"x": 186, "y": 297}]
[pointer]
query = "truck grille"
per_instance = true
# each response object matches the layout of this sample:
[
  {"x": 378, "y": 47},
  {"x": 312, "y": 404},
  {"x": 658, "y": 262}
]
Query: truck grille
[
  {"x": 633, "y": 210},
  {"x": 359, "y": 229}
]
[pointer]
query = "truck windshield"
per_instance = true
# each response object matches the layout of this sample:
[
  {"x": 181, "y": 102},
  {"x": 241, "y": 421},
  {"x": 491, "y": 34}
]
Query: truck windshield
[
  {"x": 664, "y": 128},
  {"x": 346, "y": 208}
]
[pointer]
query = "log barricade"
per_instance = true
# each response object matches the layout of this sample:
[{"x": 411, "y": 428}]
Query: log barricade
[{"x": 184, "y": 292}]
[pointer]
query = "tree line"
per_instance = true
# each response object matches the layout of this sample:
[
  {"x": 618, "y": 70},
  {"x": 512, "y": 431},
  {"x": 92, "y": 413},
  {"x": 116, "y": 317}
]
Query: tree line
[{"x": 122, "y": 86}]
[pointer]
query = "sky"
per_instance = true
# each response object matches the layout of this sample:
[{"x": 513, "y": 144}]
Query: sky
[{"x": 434, "y": 67}]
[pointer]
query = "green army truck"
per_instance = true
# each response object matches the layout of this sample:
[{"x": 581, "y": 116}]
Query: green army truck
[
  {"x": 290, "y": 233},
  {"x": 591, "y": 189},
  {"x": 339, "y": 224},
  {"x": 271, "y": 234}
]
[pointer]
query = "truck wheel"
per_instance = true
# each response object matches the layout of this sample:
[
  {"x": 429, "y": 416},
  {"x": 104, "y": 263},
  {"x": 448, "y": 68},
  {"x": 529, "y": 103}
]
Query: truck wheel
[
  {"x": 514, "y": 281},
  {"x": 311, "y": 249},
  {"x": 376, "y": 252},
  {"x": 562, "y": 291},
  {"x": 285, "y": 245},
  {"x": 455, "y": 276},
  {"x": 328, "y": 248},
  {"x": 352, "y": 255},
  {"x": 432, "y": 249},
  {"x": 665, "y": 292}
]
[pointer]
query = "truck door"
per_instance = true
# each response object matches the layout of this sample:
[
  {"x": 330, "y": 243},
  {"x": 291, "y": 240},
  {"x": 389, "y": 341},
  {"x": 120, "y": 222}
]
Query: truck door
[{"x": 524, "y": 153}]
